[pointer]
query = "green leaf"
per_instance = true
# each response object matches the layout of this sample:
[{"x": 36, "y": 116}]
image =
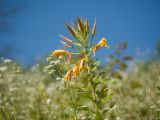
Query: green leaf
[
  {"x": 105, "y": 110},
  {"x": 85, "y": 95},
  {"x": 106, "y": 99},
  {"x": 85, "y": 108}
]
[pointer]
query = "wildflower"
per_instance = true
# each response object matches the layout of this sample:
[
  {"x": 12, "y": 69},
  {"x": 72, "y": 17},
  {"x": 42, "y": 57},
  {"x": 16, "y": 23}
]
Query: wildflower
[
  {"x": 81, "y": 65},
  {"x": 75, "y": 70},
  {"x": 101, "y": 43},
  {"x": 57, "y": 53},
  {"x": 68, "y": 76},
  {"x": 94, "y": 28}
]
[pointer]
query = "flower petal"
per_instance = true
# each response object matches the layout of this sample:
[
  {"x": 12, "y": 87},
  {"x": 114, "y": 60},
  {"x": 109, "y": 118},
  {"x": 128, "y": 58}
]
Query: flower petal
[
  {"x": 75, "y": 70},
  {"x": 81, "y": 65},
  {"x": 101, "y": 43},
  {"x": 57, "y": 53},
  {"x": 68, "y": 76}
]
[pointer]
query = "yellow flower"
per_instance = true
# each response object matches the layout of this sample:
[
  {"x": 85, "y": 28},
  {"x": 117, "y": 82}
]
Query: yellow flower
[
  {"x": 81, "y": 65},
  {"x": 68, "y": 76},
  {"x": 75, "y": 70},
  {"x": 57, "y": 53},
  {"x": 101, "y": 43}
]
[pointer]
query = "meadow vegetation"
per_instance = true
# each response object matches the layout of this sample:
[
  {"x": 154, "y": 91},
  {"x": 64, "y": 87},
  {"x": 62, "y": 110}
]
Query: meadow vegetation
[{"x": 74, "y": 85}]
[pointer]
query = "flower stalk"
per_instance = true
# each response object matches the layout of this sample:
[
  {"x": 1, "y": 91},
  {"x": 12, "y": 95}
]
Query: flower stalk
[{"x": 83, "y": 64}]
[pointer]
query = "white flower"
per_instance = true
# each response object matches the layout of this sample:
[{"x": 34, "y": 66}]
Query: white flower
[
  {"x": 3, "y": 68},
  {"x": 6, "y": 61},
  {"x": 58, "y": 78},
  {"x": 118, "y": 118},
  {"x": 48, "y": 101}
]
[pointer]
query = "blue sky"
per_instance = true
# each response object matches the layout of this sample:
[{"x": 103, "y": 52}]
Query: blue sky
[{"x": 36, "y": 28}]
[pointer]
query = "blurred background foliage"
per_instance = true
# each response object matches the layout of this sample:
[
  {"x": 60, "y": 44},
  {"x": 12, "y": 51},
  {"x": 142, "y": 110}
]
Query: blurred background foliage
[{"x": 37, "y": 93}]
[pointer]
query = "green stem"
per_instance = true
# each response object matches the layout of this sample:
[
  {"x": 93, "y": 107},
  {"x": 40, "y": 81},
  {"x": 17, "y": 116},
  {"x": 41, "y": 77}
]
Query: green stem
[
  {"x": 95, "y": 99},
  {"x": 72, "y": 102}
]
